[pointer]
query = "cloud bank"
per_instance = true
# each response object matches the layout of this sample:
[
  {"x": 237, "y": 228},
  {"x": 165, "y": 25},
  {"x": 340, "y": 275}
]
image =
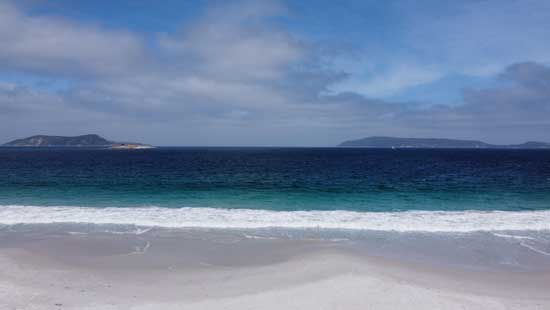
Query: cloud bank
[{"x": 235, "y": 76}]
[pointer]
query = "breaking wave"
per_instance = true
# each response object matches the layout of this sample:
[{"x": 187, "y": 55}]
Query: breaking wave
[{"x": 407, "y": 221}]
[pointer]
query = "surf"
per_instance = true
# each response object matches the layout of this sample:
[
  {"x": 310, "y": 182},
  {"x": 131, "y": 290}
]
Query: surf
[{"x": 195, "y": 217}]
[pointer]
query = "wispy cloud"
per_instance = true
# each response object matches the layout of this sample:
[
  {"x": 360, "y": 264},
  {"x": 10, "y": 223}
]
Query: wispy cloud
[
  {"x": 52, "y": 45},
  {"x": 238, "y": 76},
  {"x": 437, "y": 39}
]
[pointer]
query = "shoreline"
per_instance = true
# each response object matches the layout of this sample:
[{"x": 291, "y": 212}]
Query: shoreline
[
  {"x": 242, "y": 218},
  {"x": 191, "y": 269}
]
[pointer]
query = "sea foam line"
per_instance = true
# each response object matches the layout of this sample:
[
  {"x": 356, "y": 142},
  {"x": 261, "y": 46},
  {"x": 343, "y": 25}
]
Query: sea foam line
[{"x": 408, "y": 221}]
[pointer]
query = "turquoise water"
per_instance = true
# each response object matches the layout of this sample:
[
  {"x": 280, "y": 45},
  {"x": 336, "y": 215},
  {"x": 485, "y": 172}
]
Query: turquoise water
[
  {"x": 278, "y": 179},
  {"x": 466, "y": 207}
]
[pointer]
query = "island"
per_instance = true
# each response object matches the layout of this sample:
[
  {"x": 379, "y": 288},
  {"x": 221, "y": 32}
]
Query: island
[
  {"x": 90, "y": 140},
  {"x": 433, "y": 143}
]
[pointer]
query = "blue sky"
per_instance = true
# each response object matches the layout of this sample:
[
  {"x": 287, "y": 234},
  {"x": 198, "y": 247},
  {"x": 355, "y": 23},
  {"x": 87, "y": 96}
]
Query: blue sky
[{"x": 275, "y": 72}]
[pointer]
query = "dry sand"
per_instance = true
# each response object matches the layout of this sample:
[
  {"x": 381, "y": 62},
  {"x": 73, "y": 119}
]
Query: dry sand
[{"x": 156, "y": 272}]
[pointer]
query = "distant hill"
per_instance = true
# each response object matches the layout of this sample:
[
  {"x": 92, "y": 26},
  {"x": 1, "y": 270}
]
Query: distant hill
[
  {"x": 91, "y": 140},
  {"x": 393, "y": 142}
]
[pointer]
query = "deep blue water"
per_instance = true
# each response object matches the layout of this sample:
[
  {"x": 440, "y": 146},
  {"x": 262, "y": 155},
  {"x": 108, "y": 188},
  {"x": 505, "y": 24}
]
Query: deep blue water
[{"x": 278, "y": 178}]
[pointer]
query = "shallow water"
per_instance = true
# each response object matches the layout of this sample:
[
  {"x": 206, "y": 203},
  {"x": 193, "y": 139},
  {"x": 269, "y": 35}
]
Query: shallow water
[{"x": 522, "y": 251}]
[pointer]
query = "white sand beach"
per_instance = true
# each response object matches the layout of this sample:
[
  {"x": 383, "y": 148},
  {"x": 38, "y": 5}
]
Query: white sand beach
[{"x": 146, "y": 272}]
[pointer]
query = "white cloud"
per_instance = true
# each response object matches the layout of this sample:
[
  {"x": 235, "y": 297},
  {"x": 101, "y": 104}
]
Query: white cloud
[
  {"x": 481, "y": 37},
  {"x": 230, "y": 58},
  {"x": 439, "y": 39},
  {"x": 232, "y": 77},
  {"x": 390, "y": 82},
  {"x": 56, "y": 46},
  {"x": 235, "y": 43}
]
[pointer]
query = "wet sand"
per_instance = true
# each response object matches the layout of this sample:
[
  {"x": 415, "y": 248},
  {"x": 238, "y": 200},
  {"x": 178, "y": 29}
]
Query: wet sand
[{"x": 218, "y": 270}]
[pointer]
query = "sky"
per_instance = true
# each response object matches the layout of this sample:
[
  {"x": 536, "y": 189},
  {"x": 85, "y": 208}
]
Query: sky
[{"x": 275, "y": 73}]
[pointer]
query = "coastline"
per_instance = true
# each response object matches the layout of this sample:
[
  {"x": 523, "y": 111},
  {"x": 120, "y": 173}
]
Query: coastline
[
  {"x": 274, "y": 229},
  {"x": 242, "y": 218},
  {"x": 45, "y": 268}
]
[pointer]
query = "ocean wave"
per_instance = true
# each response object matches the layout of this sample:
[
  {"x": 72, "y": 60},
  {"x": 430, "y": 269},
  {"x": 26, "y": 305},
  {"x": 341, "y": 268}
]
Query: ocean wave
[{"x": 406, "y": 221}]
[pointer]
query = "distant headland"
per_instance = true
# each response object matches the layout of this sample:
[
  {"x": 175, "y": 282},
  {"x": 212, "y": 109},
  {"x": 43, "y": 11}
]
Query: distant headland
[
  {"x": 433, "y": 143},
  {"x": 90, "y": 140}
]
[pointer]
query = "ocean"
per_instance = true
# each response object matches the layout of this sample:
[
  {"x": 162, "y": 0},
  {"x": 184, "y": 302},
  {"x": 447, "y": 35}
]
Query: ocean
[
  {"x": 492, "y": 204},
  {"x": 403, "y": 189}
]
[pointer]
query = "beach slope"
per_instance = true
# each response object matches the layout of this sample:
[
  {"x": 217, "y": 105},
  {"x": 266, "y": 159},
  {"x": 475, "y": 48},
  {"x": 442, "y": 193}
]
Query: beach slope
[{"x": 196, "y": 271}]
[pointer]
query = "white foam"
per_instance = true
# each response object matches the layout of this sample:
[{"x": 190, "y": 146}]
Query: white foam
[
  {"x": 421, "y": 221},
  {"x": 515, "y": 237}
]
